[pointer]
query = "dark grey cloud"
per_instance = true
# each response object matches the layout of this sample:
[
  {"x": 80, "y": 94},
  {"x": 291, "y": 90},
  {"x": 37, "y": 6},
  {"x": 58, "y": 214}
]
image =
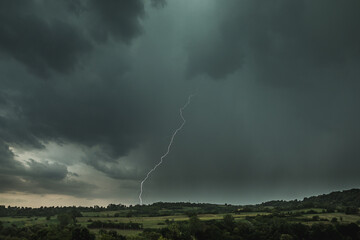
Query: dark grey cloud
[
  {"x": 37, "y": 177},
  {"x": 158, "y": 3},
  {"x": 91, "y": 105},
  {"x": 75, "y": 6},
  {"x": 46, "y": 170},
  {"x": 14, "y": 131},
  {"x": 119, "y": 19},
  {"x": 298, "y": 61},
  {"x": 55, "y": 36},
  {"x": 41, "y": 44},
  {"x": 104, "y": 162},
  {"x": 106, "y": 115},
  {"x": 285, "y": 42},
  {"x": 6, "y": 155},
  {"x": 286, "y": 117}
]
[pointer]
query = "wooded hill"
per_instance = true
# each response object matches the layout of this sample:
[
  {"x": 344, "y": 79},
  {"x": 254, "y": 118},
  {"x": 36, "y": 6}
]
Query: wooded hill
[{"x": 335, "y": 200}]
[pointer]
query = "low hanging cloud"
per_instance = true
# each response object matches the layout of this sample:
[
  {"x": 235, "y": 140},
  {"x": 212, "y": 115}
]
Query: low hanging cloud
[{"x": 37, "y": 177}]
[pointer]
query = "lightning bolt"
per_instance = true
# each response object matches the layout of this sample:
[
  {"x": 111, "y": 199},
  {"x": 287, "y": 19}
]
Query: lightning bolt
[{"x": 168, "y": 148}]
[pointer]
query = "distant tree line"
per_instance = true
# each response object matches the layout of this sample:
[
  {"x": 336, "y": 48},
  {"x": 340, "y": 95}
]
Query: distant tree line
[
  {"x": 52, "y": 211},
  {"x": 346, "y": 201},
  {"x": 152, "y": 210}
]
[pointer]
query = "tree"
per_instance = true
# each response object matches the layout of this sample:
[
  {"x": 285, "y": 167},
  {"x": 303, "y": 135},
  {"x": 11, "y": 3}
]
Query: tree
[
  {"x": 82, "y": 234},
  {"x": 286, "y": 237},
  {"x": 229, "y": 222},
  {"x": 351, "y": 210},
  {"x": 64, "y": 219},
  {"x": 151, "y": 235},
  {"x": 195, "y": 225},
  {"x": 316, "y": 218},
  {"x": 129, "y": 214},
  {"x": 74, "y": 213},
  {"x": 162, "y": 238}
]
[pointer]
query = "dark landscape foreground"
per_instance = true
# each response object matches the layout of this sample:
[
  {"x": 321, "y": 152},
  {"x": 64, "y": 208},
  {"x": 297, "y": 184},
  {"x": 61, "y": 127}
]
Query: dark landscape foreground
[{"x": 329, "y": 216}]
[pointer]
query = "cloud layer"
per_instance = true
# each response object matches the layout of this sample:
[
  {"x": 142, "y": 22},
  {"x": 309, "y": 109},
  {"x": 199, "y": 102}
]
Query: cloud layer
[{"x": 90, "y": 92}]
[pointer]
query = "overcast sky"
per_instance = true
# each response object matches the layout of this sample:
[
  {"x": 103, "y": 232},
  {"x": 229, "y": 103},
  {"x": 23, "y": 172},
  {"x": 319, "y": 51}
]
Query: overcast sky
[{"x": 90, "y": 92}]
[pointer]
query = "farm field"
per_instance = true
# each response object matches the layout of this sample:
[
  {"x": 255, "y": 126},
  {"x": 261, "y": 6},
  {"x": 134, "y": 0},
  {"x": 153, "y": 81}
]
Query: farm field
[{"x": 158, "y": 222}]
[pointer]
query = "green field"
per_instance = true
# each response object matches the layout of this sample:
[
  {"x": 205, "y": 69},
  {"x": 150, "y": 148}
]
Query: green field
[
  {"x": 27, "y": 221},
  {"x": 160, "y": 221}
]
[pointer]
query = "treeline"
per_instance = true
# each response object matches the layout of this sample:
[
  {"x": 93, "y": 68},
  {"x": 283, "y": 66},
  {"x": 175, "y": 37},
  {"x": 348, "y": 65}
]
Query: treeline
[
  {"x": 40, "y": 212},
  {"x": 51, "y": 211},
  {"x": 152, "y": 210},
  {"x": 113, "y": 225},
  {"x": 347, "y": 201}
]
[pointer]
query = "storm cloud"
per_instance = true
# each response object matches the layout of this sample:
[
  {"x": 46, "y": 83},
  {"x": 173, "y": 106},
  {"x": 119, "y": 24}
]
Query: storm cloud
[
  {"x": 286, "y": 42},
  {"x": 54, "y": 36},
  {"x": 37, "y": 177},
  {"x": 90, "y": 92}
]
